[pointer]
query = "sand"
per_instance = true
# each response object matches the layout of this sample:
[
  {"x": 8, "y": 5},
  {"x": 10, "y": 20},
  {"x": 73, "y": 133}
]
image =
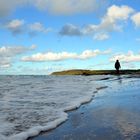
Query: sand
[{"x": 113, "y": 114}]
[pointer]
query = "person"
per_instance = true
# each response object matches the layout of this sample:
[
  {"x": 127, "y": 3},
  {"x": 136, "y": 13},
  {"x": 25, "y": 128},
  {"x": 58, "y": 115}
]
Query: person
[{"x": 117, "y": 66}]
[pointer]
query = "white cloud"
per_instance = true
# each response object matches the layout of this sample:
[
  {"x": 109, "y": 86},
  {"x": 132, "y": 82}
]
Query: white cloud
[
  {"x": 129, "y": 57},
  {"x": 136, "y": 19},
  {"x": 119, "y": 12},
  {"x": 15, "y": 26},
  {"x": 50, "y": 56},
  {"x": 8, "y": 53},
  {"x": 38, "y": 27},
  {"x": 101, "y": 36},
  {"x": 92, "y": 53},
  {"x": 18, "y": 26},
  {"x": 109, "y": 21},
  {"x": 5, "y": 65}
]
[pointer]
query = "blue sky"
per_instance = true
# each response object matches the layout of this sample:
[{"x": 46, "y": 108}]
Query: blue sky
[{"x": 42, "y": 36}]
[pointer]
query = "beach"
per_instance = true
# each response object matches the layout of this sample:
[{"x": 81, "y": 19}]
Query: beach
[
  {"x": 31, "y": 104},
  {"x": 100, "y": 107},
  {"x": 70, "y": 70},
  {"x": 113, "y": 114}
]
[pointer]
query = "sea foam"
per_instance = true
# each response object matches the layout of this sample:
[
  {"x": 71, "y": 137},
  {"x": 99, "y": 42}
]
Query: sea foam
[{"x": 31, "y": 104}]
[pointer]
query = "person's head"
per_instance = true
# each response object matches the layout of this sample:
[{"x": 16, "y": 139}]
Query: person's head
[{"x": 117, "y": 60}]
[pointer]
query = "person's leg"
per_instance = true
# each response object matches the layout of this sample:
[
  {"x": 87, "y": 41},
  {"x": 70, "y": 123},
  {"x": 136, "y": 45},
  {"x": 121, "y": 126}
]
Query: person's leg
[{"x": 117, "y": 71}]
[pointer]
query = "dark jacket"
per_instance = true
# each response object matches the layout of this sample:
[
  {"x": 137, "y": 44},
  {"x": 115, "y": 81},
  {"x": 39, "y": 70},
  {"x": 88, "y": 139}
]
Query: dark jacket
[{"x": 117, "y": 64}]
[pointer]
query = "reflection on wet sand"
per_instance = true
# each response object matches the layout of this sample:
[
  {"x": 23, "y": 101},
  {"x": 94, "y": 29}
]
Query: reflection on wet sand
[{"x": 119, "y": 79}]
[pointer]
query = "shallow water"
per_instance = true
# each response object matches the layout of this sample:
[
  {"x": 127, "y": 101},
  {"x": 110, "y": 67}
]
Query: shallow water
[
  {"x": 30, "y": 104},
  {"x": 113, "y": 114}
]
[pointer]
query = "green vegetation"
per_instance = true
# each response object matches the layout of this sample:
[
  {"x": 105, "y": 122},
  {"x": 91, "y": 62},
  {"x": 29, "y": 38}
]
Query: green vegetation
[{"x": 95, "y": 72}]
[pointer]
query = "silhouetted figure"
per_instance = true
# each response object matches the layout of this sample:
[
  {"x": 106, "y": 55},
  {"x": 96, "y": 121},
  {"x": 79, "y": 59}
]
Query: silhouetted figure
[{"x": 117, "y": 66}]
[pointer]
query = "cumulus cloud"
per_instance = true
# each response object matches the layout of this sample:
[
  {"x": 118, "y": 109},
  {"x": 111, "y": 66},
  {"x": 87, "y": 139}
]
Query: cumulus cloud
[
  {"x": 51, "y": 56},
  {"x": 109, "y": 21},
  {"x": 119, "y": 12},
  {"x": 8, "y": 53},
  {"x": 70, "y": 30},
  {"x": 38, "y": 27},
  {"x": 15, "y": 26},
  {"x": 136, "y": 19},
  {"x": 129, "y": 57},
  {"x": 92, "y": 53},
  {"x": 101, "y": 36},
  {"x": 18, "y": 26}
]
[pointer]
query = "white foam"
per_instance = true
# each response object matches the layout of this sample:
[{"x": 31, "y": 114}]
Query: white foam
[
  {"x": 36, "y": 130},
  {"x": 51, "y": 125},
  {"x": 31, "y": 104}
]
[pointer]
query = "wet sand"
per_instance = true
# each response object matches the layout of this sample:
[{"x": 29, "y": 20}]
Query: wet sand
[{"x": 113, "y": 114}]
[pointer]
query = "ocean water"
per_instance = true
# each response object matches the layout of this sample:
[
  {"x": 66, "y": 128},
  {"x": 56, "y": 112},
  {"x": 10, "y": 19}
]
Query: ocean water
[{"x": 31, "y": 104}]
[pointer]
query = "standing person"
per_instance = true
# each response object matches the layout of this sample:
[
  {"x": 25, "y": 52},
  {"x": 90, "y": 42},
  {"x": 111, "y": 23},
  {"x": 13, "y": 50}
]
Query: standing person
[{"x": 117, "y": 66}]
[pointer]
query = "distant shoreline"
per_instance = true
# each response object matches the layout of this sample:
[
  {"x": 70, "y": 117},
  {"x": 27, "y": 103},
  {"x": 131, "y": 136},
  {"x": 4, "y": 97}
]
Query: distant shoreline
[{"x": 95, "y": 72}]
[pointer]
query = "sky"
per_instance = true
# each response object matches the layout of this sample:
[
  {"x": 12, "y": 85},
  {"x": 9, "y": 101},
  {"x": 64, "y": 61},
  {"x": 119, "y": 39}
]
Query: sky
[{"x": 42, "y": 36}]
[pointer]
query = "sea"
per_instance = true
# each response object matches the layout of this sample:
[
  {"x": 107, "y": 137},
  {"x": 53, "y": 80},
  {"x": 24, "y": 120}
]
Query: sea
[{"x": 31, "y": 104}]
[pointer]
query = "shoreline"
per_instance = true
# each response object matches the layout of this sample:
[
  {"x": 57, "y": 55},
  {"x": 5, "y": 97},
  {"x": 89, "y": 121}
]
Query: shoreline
[
  {"x": 69, "y": 111},
  {"x": 65, "y": 129},
  {"x": 86, "y": 95}
]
